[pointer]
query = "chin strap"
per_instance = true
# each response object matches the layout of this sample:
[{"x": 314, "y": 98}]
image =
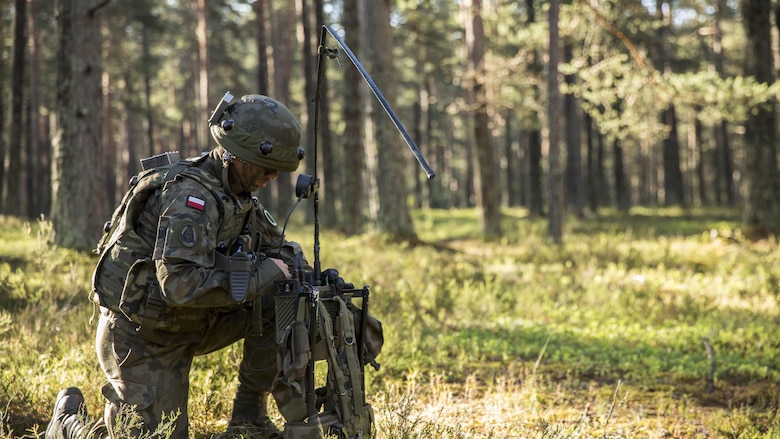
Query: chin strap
[{"x": 226, "y": 159}]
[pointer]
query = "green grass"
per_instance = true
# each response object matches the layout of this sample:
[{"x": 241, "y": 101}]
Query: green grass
[{"x": 603, "y": 336}]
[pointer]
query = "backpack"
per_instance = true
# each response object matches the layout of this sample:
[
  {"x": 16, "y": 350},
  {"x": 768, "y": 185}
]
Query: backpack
[
  {"x": 324, "y": 323},
  {"x": 120, "y": 284}
]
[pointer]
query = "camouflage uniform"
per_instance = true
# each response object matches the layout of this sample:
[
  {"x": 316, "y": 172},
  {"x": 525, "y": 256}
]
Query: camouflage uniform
[{"x": 163, "y": 282}]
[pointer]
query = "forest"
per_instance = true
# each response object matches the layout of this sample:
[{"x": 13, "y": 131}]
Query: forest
[
  {"x": 595, "y": 256},
  {"x": 563, "y": 108}
]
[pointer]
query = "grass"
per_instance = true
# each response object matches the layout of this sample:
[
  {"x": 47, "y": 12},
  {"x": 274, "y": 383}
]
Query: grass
[{"x": 605, "y": 336}]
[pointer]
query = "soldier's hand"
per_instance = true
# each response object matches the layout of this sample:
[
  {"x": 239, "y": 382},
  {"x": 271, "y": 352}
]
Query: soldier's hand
[
  {"x": 267, "y": 272},
  {"x": 282, "y": 266}
]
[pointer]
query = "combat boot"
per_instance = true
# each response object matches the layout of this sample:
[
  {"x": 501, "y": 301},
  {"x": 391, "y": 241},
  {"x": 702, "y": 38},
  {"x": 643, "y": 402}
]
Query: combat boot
[
  {"x": 250, "y": 416},
  {"x": 65, "y": 421}
]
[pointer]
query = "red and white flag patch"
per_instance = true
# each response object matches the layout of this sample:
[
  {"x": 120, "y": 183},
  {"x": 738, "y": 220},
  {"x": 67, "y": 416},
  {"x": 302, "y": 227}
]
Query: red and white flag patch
[{"x": 196, "y": 203}]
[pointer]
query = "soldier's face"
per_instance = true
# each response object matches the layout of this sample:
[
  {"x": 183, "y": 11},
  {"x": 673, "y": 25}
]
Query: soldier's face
[{"x": 248, "y": 177}]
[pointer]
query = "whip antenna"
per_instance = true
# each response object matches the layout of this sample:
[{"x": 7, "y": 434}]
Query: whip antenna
[
  {"x": 307, "y": 185},
  {"x": 377, "y": 93}
]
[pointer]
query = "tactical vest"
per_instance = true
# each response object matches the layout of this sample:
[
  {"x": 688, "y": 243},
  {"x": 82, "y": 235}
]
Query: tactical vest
[{"x": 124, "y": 279}]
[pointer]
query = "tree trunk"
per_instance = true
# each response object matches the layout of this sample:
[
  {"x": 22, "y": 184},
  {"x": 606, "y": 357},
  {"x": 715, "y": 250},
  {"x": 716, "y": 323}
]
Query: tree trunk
[
  {"x": 418, "y": 120},
  {"x": 602, "y": 182},
  {"x": 283, "y": 54},
  {"x": 3, "y": 65},
  {"x": 108, "y": 144},
  {"x": 535, "y": 189},
  {"x": 673, "y": 182},
  {"x": 262, "y": 47},
  {"x": 331, "y": 158},
  {"x": 34, "y": 172},
  {"x": 762, "y": 191},
  {"x": 701, "y": 175},
  {"x": 354, "y": 219},
  {"x": 487, "y": 191},
  {"x": 591, "y": 155},
  {"x": 554, "y": 177},
  {"x": 147, "y": 71},
  {"x": 14, "y": 192},
  {"x": 574, "y": 183},
  {"x": 622, "y": 186},
  {"x": 394, "y": 217},
  {"x": 77, "y": 217},
  {"x": 263, "y": 13},
  {"x": 724, "y": 183},
  {"x": 201, "y": 123},
  {"x": 674, "y": 189},
  {"x": 512, "y": 161},
  {"x": 282, "y": 73}
]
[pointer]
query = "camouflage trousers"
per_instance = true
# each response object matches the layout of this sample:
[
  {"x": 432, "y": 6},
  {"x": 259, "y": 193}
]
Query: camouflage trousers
[{"x": 151, "y": 372}]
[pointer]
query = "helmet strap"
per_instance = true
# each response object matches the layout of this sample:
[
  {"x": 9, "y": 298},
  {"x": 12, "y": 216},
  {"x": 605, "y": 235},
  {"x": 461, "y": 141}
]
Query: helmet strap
[{"x": 226, "y": 159}]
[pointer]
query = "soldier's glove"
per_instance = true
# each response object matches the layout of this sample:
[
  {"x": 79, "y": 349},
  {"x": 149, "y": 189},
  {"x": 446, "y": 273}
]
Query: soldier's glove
[
  {"x": 263, "y": 277},
  {"x": 331, "y": 277}
]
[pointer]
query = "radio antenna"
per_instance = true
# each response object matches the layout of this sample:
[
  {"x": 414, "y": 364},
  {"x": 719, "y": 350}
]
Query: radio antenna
[{"x": 307, "y": 185}]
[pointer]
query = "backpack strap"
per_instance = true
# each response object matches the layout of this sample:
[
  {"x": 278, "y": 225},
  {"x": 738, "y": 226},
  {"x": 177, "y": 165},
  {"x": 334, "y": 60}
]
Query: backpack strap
[
  {"x": 345, "y": 381},
  {"x": 346, "y": 326}
]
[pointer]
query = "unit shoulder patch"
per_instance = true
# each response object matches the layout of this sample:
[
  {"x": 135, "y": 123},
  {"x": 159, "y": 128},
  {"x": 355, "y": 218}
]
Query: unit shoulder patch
[{"x": 188, "y": 236}]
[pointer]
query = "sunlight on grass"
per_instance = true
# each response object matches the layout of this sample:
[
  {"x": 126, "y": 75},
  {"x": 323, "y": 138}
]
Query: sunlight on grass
[{"x": 604, "y": 336}]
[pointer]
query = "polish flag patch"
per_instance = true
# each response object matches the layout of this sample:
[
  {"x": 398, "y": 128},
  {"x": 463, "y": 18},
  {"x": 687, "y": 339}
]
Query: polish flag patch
[{"x": 196, "y": 203}]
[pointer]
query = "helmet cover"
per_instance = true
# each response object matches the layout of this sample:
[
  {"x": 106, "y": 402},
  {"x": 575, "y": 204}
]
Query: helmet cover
[{"x": 262, "y": 131}]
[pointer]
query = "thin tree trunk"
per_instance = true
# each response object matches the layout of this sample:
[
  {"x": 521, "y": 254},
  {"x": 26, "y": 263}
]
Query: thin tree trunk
[
  {"x": 354, "y": 180},
  {"x": 263, "y": 11},
  {"x": 673, "y": 182},
  {"x": 309, "y": 56},
  {"x": 512, "y": 168},
  {"x": 262, "y": 47},
  {"x": 700, "y": 172},
  {"x": 674, "y": 189},
  {"x": 622, "y": 186},
  {"x": 574, "y": 182},
  {"x": 283, "y": 54},
  {"x": 535, "y": 189},
  {"x": 591, "y": 156},
  {"x": 34, "y": 173},
  {"x": 201, "y": 127},
  {"x": 148, "y": 110},
  {"x": 555, "y": 177},
  {"x": 724, "y": 182},
  {"x": 331, "y": 158},
  {"x": 417, "y": 123},
  {"x": 488, "y": 201},
  {"x": 14, "y": 190},
  {"x": 3, "y": 66}
]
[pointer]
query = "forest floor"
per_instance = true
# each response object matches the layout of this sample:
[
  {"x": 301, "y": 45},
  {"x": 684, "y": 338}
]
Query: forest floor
[{"x": 661, "y": 323}]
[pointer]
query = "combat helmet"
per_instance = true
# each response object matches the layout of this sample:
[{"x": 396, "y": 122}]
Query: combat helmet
[{"x": 259, "y": 130}]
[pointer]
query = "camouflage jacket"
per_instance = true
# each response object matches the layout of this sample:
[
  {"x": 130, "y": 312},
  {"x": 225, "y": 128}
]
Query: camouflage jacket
[{"x": 168, "y": 241}]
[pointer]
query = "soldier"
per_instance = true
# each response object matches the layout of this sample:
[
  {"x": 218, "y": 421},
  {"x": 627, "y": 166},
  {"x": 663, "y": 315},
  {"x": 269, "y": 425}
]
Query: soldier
[{"x": 187, "y": 264}]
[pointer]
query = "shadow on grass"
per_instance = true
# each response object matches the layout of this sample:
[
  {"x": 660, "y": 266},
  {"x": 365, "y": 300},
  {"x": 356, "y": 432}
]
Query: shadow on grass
[
  {"x": 660, "y": 222},
  {"x": 745, "y": 371}
]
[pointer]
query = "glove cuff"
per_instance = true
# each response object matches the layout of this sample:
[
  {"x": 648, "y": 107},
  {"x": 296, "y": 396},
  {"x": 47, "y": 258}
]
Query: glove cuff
[{"x": 265, "y": 275}]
